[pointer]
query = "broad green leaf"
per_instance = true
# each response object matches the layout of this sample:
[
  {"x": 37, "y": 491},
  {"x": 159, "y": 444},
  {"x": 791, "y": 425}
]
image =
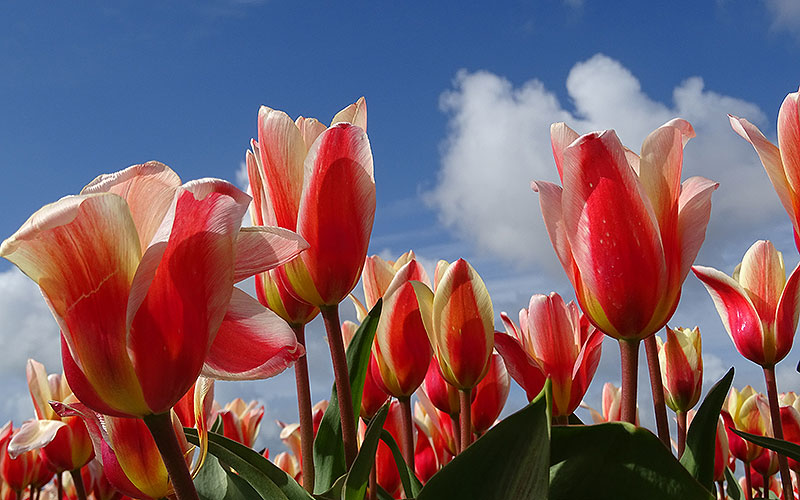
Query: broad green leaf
[
  {"x": 217, "y": 427},
  {"x": 510, "y": 461},
  {"x": 215, "y": 483},
  {"x": 785, "y": 448},
  {"x": 616, "y": 461},
  {"x": 407, "y": 476},
  {"x": 263, "y": 476},
  {"x": 575, "y": 420},
  {"x": 355, "y": 483},
  {"x": 734, "y": 490},
  {"x": 329, "y": 461},
  {"x": 698, "y": 456}
]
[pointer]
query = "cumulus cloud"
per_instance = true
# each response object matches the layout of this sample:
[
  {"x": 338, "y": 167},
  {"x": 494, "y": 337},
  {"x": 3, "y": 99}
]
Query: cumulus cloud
[{"x": 498, "y": 141}]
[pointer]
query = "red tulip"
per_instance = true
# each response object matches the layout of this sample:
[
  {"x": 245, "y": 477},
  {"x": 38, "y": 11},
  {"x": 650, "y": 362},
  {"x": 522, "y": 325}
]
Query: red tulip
[
  {"x": 439, "y": 425},
  {"x": 758, "y": 305},
  {"x": 490, "y": 396},
  {"x": 241, "y": 421},
  {"x": 138, "y": 271},
  {"x": 318, "y": 182},
  {"x": 374, "y": 395},
  {"x": 782, "y": 165},
  {"x": 624, "y": 227},
  {"x": 459, "y": 320},
  {"x": 289, "y": 464},
  {"x": 681, "y": 365},
  {"x": 17, "y": 472},
  {"x": 442, "y": 395},
  {"x": 747, "y": 411},
  {"x": 611, "y": 410},
  {"x": 426, "y": 463},
  {"x": 553, "y": 340},
  {"x": 385, "y": 466},
  {"x": 97, "y": 483},
  {"x": 790, "y": 419}
]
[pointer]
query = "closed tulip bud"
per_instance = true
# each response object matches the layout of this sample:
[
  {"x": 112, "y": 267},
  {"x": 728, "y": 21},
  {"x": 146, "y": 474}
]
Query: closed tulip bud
[
  {"x": 443, "y": 396},
  {"x": 378, "y": 274},
  {"x": 241, "y": 421},
  {"x": 745, "y": 411},
  {"x": 790, "y": 419},
  {"x": 766, "y": 463},
  {"x": 426, "y": 463},
  {"x": 288, "y": 463},
  {"x": 374, "y": 395},
  {"x": 553, "y": 340},
  {"x": 681, "y": 362},
  {"x": 490, "y": 396},
  {"x": 459, "y": 320},
  {"x": 758, "y": 304},
  {"x": 291, "y": 437},
  {"x": 18, "y": 472},
  {"x": 610, "y": 409},
  {"x": 721, "y": 451}
]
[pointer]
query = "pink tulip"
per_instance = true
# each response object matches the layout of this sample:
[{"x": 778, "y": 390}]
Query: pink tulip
[
  {"x": 241, "y": 421},
  {"x": 553, "y": 340},
  {"x": 138, "y": 271},
  {"x": 624, "y": 227},
  {"x": 759, "y": 306},
  {"x": 490, "y": 396},
  {"x": 790, "y": 419},
  {"x": 782, "y": 165},
  {"x": 442, "y": 395},
  {"x": 611, "y": 410},
  {"x": 319, "y": 182},
  {"x": 681, "y": 364}
]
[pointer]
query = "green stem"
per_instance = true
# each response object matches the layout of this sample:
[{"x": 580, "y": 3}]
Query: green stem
[
  {"x": 629, "y": 357},
  {"x": 304, "y": 411},
  {"x": 657, "y": 386},
  {"x": 167, "y": 442}
]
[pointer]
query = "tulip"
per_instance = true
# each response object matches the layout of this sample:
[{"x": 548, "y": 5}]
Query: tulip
[
  {"x": 64, "y": 443},
  {"x": 439, "y": 426},
  {"x": 781, "y": 164},
  {"x": 385, "y": 467},
  {"x": 97, "y": 482},
  {"x": 241, "y": 421},
  {"x": 490, "y": 396},
  {"x": 790, "y": 418},
  {"x": 611, "y": 410},
  {"x": 721, "y": 451},
  {"x": 442, "y": 394},
  {"x": 319, "y": 182},
  {"x": 759, "y": 307},
  {"x": 18, "y": 472},
  {"x": 553, "y": 340},
  {"x": 459, "y": 320},
  {"x": 289, "y": 464},
  {"x": 626, "y": 232},
  {"x": 374, "y": 395},
  {"x": 425, "y": 459},
  {"x": 681, "y": 362}
]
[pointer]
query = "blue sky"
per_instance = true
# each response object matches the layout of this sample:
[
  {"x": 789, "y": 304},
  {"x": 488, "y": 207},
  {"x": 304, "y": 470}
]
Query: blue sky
[{"x": 460, "y": 98}]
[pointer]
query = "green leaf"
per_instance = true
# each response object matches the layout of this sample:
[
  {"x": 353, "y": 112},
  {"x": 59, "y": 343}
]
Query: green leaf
[
  {"x": 698, "y": 456},
  {"x": 616, "y": 460},
  {"x": 734, "y": 490},
  {"x": 269, "y": 481},
  {"x": 510, "y": 461},
  {"x": 785, "y": 448},
  {"x": 575, "y": 420},
  {"x": 407, "y": 476},
  {"x": 218, "y": 425},
  {"x": 329, "y": 462},
  {"x": 215, "y": 483},
  {"x": 355, "y": 483}
]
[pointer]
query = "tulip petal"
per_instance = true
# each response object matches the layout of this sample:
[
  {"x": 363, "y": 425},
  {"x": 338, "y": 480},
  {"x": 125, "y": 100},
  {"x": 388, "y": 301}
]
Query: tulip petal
[
  {"x": 335, "y": 216},
  {"x": 561, "y": 136},
  {"x": 425, "y": 299},
  {"x": 511, "y": 328},
  {"x": 40, "y": 389},
  {"x": 310, "y": 129},
  {"x": 148, "y": 188},
  {"x": 137, "y": 455},
  {"x": 694, "y": 212},
  {"x": 83, "y": 252},
  {"x": 252, "y": 343},
  {"x": 32, "y": 435},
  {"x": 770, "y": 157},
  {"x": 552, "y": 336},
  {"x": 550, "y": 196},
  {"x": 763, "y": 277},
  {"x": 522, "y": 368},
  {"x": 376, "y": 276},
  {"x": 614, "y": 236},
  {"x": 355, "y": 113},
  {"x": 261, "y": 211},
  {"x": 283, "y": 150},
  {"x": 786, "y": 316},
  {"x": 737, "y": 312},
  {"x": 585, "y": 367},
  {"x": 260, "y": 248},
  {"x": 190, "y": 284},
  {"x": 789, "y": 139}
]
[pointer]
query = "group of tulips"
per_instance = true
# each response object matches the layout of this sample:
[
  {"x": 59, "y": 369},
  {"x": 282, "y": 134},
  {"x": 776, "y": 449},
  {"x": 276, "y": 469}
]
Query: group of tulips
[{"x": 139, "y": 271}]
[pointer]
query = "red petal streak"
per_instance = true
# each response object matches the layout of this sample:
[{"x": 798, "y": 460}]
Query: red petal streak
[
  {"x": 694, "y": 212},
  {"x": 520, "y": 366},
  {"x": 787, "y": 315},
  {"x": 789, "y": 139},
  {"x": 252, "y": 343}
]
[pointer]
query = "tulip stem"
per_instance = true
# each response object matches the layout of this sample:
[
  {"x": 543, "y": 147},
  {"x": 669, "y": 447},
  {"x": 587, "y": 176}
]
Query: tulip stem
[
  {"x": 330, "y": 314},
  {"x": 681, "y": 415},
  {"x": 657, "y": 386},
  {"x": 160, "y": 426},
  {"x": 765, "y": 485},
  {"x": 629, "y": 357},
  {"x": 748, "y": 483},
  {"x": 80, "y": 490},
  {"x": 455, "y": 419},
  {"x": 407, "y": 426},
  {"x": 465, "y": 415},
  {"x": 777, "y": 426},
  {"x": 372, "y": 493},
  {"x": 304, "y": 411},
  {"x": 60, "y": 485}
]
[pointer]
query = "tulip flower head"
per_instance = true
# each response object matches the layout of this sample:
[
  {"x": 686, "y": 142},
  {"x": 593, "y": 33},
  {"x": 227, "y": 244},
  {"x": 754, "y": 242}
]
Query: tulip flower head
[
  {"x": 138, "y": 271},
  {"x": 610, "y": 409},
  {"x": 747, "y": 411},
  {"x": 623, "y": 226},
  {"x": 758, "y": 305},
  {"x": 490, "y": 396},
  {"x": 241, "y": 421},
  {"x": 441, "y": 394},
  {"x": 318, "y": 182},
  {"x": 681, "y": 362},
  {"x": 553, "y": 340}
]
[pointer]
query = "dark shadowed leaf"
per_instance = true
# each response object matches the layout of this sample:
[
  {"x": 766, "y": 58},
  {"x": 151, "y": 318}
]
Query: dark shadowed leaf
[
  {"x": 407, "y": 476},
  {"x": 215, "y": 483}
]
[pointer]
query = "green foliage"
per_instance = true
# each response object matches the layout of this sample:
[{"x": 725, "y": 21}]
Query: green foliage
[
  {"x": 329, "y": 462},
  {"x": 355, "y": 483},
  {"x": 213, "y": 482},
  {"x": 698, "y": 457},
  {"x": 407, "y": 476},
  {"x": 785, "y": 448}
]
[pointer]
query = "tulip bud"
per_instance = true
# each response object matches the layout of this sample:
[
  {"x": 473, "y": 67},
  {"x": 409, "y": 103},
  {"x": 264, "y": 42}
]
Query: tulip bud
[
  {"x": 241, "y": 421},
  {"x": 790, "y": 419},
  {"x": 442, "y": 395},
  {"x": 680, "y": 358},
  {"x": 490, "y": 396},
  {"x": 374, "y": 395}
]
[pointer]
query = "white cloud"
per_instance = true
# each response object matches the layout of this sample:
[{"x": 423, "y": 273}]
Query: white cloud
[
  {"x": 498, "y": 141},
  {"x": 785, "y": 14}
]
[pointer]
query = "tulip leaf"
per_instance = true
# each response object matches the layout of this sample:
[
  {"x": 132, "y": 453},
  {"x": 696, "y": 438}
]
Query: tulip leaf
[
  {"x": 329, "y": 462},
  {"x": 407, "y": 476},
  {"x": 698, "y": 456},
  {"x": 355, "y": 483},
  {"x": 785, "y": 448},
  {"x": 215, "y": 483},
  {"x": 509, "y": 461},
  {"x": 616, "y": 460},
  {"x": 734, "y": 489},
  {"x": 575, "y": 420},
  {"x": 269, "y": 481}
]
